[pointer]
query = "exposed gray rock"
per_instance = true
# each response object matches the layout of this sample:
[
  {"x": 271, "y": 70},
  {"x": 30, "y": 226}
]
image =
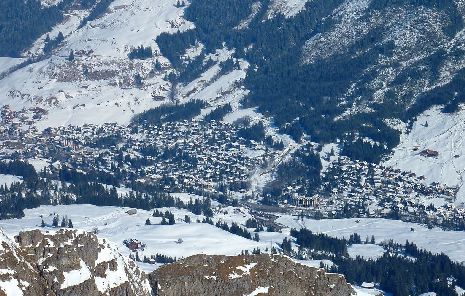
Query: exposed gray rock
[
  {"x": 242, "y": 275},
  {"x": 67, "y": 263},
  {"x": 74, "y": 263}
]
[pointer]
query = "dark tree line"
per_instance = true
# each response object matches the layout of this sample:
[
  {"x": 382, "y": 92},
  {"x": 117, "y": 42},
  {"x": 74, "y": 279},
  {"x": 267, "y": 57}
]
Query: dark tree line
[
  {"x": 22, "y": 22},
  {"x": 218, "y": 113},
  {"x": 303, "y": 98},
  {"x": 96, "y": 11},
  {"x": 170, "y": 113},
  {"x": 395, "y": 272},
  {"x": 140, "y": 53}
]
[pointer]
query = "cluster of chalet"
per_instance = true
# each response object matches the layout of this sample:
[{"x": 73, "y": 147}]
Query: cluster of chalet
[
  {"x": 360, "y": 189},
  {"x": 189, "y": 154}
]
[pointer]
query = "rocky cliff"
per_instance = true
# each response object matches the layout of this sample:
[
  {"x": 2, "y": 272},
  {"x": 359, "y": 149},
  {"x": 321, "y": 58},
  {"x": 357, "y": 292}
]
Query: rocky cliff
[
  {"x": 66, "y": 262},
  {"x": 246, "y": 275},
  {"x": 71, "y": 263}
]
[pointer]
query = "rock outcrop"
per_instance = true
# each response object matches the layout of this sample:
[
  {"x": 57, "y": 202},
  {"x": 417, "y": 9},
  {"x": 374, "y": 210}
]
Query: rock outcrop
[
  {"x": 245, "y": 275},
  {"x": 74, "y": 263},
  {"x": 66, "y": 262}
]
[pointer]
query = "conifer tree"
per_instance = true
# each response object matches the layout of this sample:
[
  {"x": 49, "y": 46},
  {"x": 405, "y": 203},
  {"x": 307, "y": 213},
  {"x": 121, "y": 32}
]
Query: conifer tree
[
  {"x": 63, "y": 222},
  {"x": 55, "y": 221},
  {"x": 71, "y": 56}
]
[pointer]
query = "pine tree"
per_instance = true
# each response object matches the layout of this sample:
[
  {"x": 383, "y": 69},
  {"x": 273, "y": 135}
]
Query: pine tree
[
  {"x": 60, "y": 37},
  {"x": 63, "y": 222},
  {"x": 55, "y": 221},
  {"x": 70, "y": 223},
  {"x": 71, "y": 56},
  {"x": 42, "y": 224},
  {"x": 187, "y": 219},
  {"x": 157, "y": 65},
  {"x": 138, "y": 80},
  {"x": 147, "y": 222}
]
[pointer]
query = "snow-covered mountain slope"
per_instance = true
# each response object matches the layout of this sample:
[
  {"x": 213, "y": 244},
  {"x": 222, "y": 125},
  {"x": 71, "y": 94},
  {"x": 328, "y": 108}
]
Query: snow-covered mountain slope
[
  {"x": 438, "y": 132},
  {"x": 417, "y": 35},
  {"x": 98, "y": 86}
]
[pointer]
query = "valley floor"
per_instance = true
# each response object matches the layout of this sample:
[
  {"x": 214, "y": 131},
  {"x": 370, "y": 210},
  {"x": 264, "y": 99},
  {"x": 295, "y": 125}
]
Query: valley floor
[{"x": 116, "y": 225}]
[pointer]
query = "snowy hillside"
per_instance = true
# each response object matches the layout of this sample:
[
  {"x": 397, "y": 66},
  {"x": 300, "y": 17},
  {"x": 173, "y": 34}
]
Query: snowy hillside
[
  {"x": 116, "y": 225},
  {"x": 107, "y": 92},
  {"x": 438, "y": 132}
]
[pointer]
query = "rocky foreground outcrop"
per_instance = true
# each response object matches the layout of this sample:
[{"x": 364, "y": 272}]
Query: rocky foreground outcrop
[
  {"x": 66, "y": 262},
  {"x": 245, "y": 275},
  {"x": 74, "y": 263}
]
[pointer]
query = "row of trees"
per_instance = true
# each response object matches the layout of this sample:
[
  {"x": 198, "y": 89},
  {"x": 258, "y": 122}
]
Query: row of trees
[
  {"x": 65, "y": 222},
  {"x": 170, "y": 113},
  {"x": 395, "y": 272},
  {"x": 141, "y": 53}
]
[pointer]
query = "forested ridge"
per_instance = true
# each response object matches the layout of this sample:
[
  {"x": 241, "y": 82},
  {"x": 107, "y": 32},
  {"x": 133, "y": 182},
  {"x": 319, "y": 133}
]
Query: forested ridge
[
  {"x": 23, "y": 22},
  {"x": 307, "y": 98}
]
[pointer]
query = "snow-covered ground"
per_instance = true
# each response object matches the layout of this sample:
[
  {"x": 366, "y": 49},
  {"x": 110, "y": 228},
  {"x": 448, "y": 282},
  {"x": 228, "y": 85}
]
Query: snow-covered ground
[
  {"x": 367, "y": 292},
  {"x": 7, "y": 63},
  {"x": 38, "y": 163},
  {"x": 106, "y": 92},
  {"x": 439, "y": 132},
  {"x": 9, "y": 179},
  {"x": 288, "y": 8},
  {"x": 451, "y": 243},
  {"x": 366, "y": 251},
  {"x": 116, "y": 225}
]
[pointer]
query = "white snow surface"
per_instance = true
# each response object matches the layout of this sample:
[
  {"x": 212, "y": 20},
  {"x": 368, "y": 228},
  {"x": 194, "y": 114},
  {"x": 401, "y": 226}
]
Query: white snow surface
[
  {"x": 366, "y": 251},
  {"x": 38, "y": 163},
  {"x": 7, "y": 63},
  {"x": 113, "y": 278},
  {"x": 9, "y": 179},
  {"x": 258, "y": 290},
  {"x": 107, "y": 93},
  {"x": 288, "y": 8},
  {"x": 116, "y": 225},
  {"x": 439, "y": 132},
  {"x": 244, "y": 270},
  {"x": 77, "y": 276},
  {"x": 11, "y": 287},
  {"x": 366, "y": 292},
  {"x": 436, "y": 240}
]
